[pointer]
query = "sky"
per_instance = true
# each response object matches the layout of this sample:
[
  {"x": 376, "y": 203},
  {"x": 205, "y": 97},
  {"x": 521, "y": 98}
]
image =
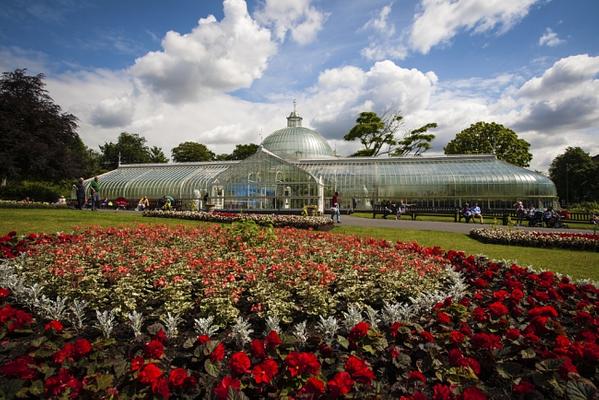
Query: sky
[{"x": 226, "y": 72}]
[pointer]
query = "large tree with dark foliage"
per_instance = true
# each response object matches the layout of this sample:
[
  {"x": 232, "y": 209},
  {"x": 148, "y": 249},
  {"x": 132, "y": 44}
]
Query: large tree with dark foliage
[
  {"x": 37, "y": 140},
  {"x": 192, "y": 151},
  {"x": 132, "y": 149},
  {"x": 241, "y": 152},
  {"x": 576, "y": 176},
  {"x": 491, "y": 138}
]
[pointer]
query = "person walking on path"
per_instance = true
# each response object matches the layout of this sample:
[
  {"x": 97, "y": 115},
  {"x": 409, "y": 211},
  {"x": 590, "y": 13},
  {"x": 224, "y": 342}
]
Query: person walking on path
[
  {"x": 80, "y": 193},
  {"x": 94, "y": 189},
  {"x": 335, "y": 208}
]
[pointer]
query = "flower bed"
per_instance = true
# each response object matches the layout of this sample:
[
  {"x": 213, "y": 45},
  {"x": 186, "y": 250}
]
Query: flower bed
[
  {"x": 513, "y": 333},
  {"x": 30, "y": 204},
  {"x": 277, "y": 221},
  {"x": 521, "y": 237}
]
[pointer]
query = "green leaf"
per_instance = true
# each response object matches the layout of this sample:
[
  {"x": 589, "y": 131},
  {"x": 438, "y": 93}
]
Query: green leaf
[
  {"x": 509, "y": 369},
  {"x": 211, "y": 368},
  {"x": 189, "y": 343},
  {"x": 104, "y": 381},
  {"x": 368, "y": 349},
  {"x": 343, "y": 342},
  {"x": 528, "y": 353},
  {"x": 582, "y": 389}
]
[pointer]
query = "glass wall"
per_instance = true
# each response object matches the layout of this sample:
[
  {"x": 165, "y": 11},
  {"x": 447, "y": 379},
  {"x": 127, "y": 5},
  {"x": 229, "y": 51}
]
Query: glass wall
[{"x": 264, "y": 181}]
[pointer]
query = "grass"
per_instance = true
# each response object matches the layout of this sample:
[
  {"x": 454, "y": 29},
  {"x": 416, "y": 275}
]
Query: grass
[{"x": 579, "y": 264}]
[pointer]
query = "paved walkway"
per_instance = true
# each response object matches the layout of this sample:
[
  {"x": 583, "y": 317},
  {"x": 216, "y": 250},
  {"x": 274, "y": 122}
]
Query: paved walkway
[{"x": 458, "y": 227}]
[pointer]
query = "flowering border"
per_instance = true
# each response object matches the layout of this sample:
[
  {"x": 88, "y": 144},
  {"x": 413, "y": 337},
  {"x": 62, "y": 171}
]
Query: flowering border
[
  {"x": 31, "y": 205},
  {"x": 521, "y": 237},
  {"x": 277, "y": 221}
]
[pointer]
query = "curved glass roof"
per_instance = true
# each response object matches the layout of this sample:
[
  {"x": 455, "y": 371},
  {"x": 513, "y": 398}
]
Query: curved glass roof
[{"x": 297, "y": 143}]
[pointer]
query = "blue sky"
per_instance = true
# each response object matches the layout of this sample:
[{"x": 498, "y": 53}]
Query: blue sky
[{"x": 228, "y": 71}]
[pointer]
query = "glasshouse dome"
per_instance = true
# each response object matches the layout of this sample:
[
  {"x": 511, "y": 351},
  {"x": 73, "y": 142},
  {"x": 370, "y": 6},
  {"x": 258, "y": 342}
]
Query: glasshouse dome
[{"x": 295, "y": 167}]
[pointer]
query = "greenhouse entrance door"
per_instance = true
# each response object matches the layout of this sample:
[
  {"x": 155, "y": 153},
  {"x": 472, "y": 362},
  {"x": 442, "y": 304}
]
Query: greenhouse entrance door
[{"x": 265, "y": 181}]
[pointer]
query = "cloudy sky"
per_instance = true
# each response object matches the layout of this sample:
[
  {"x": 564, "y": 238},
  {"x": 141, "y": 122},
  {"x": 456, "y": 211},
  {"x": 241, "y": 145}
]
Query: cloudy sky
[{"x": 226, "y": 72}]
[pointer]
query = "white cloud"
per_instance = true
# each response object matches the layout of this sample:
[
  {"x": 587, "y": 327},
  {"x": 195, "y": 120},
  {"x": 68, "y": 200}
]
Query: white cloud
[
  {"x": 438, "y": 21},
  {"x": 380, "y": 22},
  {"x": 550, "y": 38},
  {"x": 298, "y": 17},
  {"x": 113, "y": 112},
  {"x": 215, "y": 57}
]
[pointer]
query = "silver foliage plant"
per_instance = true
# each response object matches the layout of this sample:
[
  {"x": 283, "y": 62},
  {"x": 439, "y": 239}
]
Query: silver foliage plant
[
  {"x": 352, "y": 316},
  {"x": 136, "y": 321},
  {"x": 242, "y": 331},
  {"x": 205, "y": 326},
  {"x": 273, "y": 324},
  {"x": 300, "y": 333},
  {"x": 105, "y": 322},
  {"x": 171, "y": 324},
  {"x": 328, "y": 327},
  {"x": 54, "y": 309},
  {"x": 78, "y": 310}
]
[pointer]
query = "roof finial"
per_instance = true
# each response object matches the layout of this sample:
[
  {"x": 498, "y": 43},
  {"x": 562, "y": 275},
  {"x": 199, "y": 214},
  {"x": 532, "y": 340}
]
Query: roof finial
[{"x": 294, "y": 104}]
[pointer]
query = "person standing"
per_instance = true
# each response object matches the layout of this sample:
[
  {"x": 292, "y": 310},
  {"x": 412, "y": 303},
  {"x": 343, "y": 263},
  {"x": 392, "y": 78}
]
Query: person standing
[
  {"x": 80, "y": 193},
  {"x": 520, "y": 212},
  {"x": 94, "y": 189},
  {"x": 335, "y": 208}
]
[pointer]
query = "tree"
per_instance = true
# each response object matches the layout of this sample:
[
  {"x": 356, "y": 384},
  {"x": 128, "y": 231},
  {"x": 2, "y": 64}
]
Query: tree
[
  {"x": 192, "y": 151},
  {"x": 130, "y": 147},
  {"x": 370, "y": 130},
  {"x": 416, "y": 141},
  {"x": 576, "y": 176},
  {"x": 491, "y": 138},
  {"x": 241, "y": 152},
  {"x": 157, "y": 155},
  {"x": 37, "y": 140},
  {"x": 375, "y": 132}
]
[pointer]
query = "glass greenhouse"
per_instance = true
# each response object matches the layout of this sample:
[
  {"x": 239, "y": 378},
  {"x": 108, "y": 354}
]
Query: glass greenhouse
[{"x": 295, "y": 166}]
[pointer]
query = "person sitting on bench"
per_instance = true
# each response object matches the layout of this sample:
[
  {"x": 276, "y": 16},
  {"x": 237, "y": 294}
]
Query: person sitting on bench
[
  {"x": 466, "y": 213},
  {"x": 477, "y": 213}
]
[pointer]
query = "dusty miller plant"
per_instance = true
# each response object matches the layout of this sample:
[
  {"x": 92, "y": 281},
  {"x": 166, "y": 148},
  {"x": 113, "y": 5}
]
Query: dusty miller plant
[
  {"x": 328, "y": 327},
  {"x": 352, "y": 317},
  {"x": 136, "y": 321},
  {"x": 105, "y": 322},
  {"x": 171, "y": 324},
  {"x": 241, "y": 331},
  {"x": 78, "y": 309},
  {"x": 205, "y": 326},
  {"x": 299, "y": 331}
]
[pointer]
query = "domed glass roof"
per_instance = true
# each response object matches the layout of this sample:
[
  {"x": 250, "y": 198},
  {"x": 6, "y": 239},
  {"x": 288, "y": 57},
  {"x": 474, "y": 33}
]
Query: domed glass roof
[{"x": 296, "y": 142}]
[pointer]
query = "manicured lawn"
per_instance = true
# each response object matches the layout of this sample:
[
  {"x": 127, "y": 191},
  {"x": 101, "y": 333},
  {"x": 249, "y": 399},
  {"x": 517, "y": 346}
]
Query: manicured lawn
[{"x": 579, "y": 264}]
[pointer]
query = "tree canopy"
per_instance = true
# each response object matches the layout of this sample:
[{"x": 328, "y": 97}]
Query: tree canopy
[
  {"x": 241, "y": 152},
  {"x": 491, "y": 138},
  {"x": 192, "y": 151},
  {"x": 376, "y": 132},
  {"x": 576, "y": 176},
  {"x": 132, "y": 149},
  {"x": 37, "y": 140}
]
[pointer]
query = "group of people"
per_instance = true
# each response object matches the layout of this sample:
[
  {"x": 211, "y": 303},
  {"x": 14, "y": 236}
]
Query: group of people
[
  {"x": 94, "y": 192},
  {"x": 472, "y": 213},
  {"x": 537, "y": 217},
  {"x": 394, "y": 208}
]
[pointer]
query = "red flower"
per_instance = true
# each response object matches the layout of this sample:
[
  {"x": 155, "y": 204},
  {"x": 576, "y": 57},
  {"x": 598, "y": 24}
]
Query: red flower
[
  {"x": 512, "y": 334},
  {"x": 545, "y": 311},
  {"x": 486, "y": 341},
  {"x": 137, "y": 363},
  {"x": 470, "y": 362},
  {"x": 154, "y": 349},
  {"x": 302, "y": 363},
  {"x": 4, "y": 292},
  {"x": 444, "y": 318},
  {"x": 442, "y": 392},
  {"x": 160, "y": 386},
  {"x": 417, "y": 376},
  {"x": 161, "y": 336},
  {"x": 82, "y": 347},
  {"x": 19, "y": 368},
  {"x": 524, "y": 387},
  {"x": 473, "y": 393},
  {"x": 257, "y": 349},
  {"x": 218, "y": 353},
  {"x": 54, "y": 325},
  {"x": 273, "y": 340},
  {"x": 313, "y": 386},
  {"x": 498, "y": 309},
  {"x": 479, "y": 314},
  {"x": 240, "y": 363},
  {"x": 340, "y": 385},
  {"x": 359, "y": 331},
  {"x": 66, "y": 353},
  {"x": 465, "y": 329},
  {"x": 57, "y": 384},
  {"x": 395, "y": 328},
  {"x": 501, "y": 294},
  {"x": 359, "y": 370},
  {"x": 566, "y": 368},
  {"x": 517, "y": 295},
  {"x": 427, "y": 336},
  {"x": 221, "y": 391},
  {"x": 265, "y": 371},
  {"x": 562, "y": 341},
  {"x": 177, "y": 377},
  {"x": 149, "y": 374},
  {"x": 203, "y": 339},
  {"x": 456, "y": 337}
]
